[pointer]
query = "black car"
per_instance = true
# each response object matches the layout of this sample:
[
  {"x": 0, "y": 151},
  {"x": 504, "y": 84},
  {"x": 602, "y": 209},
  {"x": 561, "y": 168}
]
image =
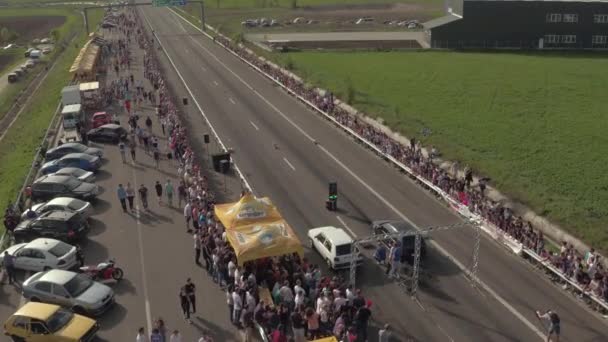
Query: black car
[
  {"x": 60, "y": 225},
  {"x": 111, "y": 133},
  {"x": 51, "y": 186},
  {"x": 408, "y": 242},
  {"x": 67, "y": 148}
]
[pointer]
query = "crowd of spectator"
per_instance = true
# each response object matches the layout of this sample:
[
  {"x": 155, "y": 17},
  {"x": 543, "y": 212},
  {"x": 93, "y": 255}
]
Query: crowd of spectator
[{"x": 460, "y": 186}]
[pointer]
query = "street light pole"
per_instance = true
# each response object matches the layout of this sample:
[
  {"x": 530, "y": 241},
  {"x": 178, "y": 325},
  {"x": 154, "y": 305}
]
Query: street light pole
[
  {"x": 86, "y": 20},
  {"x": 202, "y": 2}
]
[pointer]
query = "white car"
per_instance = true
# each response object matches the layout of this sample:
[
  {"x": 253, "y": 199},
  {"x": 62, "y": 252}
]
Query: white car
[
  {"x": 334, "y": 245},
  {"x": 42, "y": 254},
  {"x": 85, "y": 176},
  {"x": 69, "y": 204}
]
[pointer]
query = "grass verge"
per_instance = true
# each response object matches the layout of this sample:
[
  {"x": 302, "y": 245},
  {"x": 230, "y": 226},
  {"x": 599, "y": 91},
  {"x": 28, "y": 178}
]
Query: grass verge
[{"x": 18, "y": 148}]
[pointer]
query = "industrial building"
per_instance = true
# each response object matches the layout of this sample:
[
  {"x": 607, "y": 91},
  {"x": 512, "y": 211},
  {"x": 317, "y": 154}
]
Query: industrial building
[{"x": 523, "y": 24}]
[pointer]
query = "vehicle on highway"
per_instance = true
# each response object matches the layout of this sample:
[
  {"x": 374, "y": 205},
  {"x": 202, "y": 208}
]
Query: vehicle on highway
[
  {"x": 69, "y": 289},
  {"x": 103, "y": 271},
  {"x": 100, "y": 119},
  {"x": 83, "y": 208},
  {"x": 28, "y": 51},
  {"x": 12, "y": 77},
  {"x": 40, "y": 322},
  {"x": 51, "y": 186},
  {"x": 62, "y": 225},
  {"x": 334, "y": 245},
  {"x": 83, "y": 175},
  {"x": 42, "y": 254},
  {"x": 408, "y": 243},
  {"x": 67, "y": 148},
  {"x": 111, "y": 133},
  {"x": 82, "y": 161}
]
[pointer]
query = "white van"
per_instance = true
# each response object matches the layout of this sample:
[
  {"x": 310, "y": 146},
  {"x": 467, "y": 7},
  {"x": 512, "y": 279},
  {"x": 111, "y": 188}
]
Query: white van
[
  {"x": 334, "y": 246},
  {"x": 35, "y": 54}
]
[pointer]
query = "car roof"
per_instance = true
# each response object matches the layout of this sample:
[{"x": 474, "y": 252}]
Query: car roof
[
  {"x": 63, "y": 201},
  {"x": 57, "y": 276},
  {"x": 58, "y": 215},
  {"x": 40, "y": 311},
  {"x": 70, "y": 144},
  {"x": 42, "y": 244},
  {"x": 78, "y": 155},
  {"x": 69, "y": 170},
  {"x": 53, "y": 179},
  {"x": 337, "y": 235},
  {"x": 100, "y": 114},
  {"x": 111, "y": 126}
]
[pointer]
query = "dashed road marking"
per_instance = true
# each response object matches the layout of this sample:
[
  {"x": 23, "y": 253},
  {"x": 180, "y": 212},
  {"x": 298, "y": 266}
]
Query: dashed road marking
[
  {"x": 288, "y": 163},
  {"x": 254, "y": 126},
  {"x": 346, "y": 226},
  {"x": 216, "y": 84},
  {"x": 231, "y": 100}
]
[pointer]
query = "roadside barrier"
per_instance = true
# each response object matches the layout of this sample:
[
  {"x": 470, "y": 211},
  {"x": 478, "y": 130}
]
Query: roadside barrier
[{"x": 509, "y": 242}]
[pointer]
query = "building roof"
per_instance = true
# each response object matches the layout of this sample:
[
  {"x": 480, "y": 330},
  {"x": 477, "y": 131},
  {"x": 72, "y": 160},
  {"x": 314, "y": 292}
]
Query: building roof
[{"x": 441, "y": 21}]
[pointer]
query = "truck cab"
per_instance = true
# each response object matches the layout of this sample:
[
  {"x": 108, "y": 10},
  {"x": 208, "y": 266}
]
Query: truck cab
[{"x": 72, "y": 115}]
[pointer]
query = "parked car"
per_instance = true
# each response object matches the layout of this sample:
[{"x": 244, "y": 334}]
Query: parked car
[
  {"x": 334, "y": 246},
  {"x": 45, "y": 41},
  {"x": 51, "y": 186},
  {"x": 108, "y": 133},
  {"x": 46, "y": 50},
  {"x": 364, "y": 20},
  {"x": 82, "y": 161},
  {"x": 42, "y": 254},
  {"x": 83, "y": 208},
  {"x": 69, "y": 289},
  {"x": 408, "y": 243},
  {"x": 49, "y": 323},
  {"x": 62, "y": 225},
  {"x": 67, "y": 148},
  {"x": 100, "y": 119},
  {"x": 83, "y": 175},
  {"x": 12, "y": 77},
  {"x": 28, "y": 51}
]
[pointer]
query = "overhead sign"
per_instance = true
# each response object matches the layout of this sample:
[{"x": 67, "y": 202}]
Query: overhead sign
[{"x": 166, "y": 3}]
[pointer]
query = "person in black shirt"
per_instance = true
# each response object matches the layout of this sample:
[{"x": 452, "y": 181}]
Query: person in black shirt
[
  {"x": 361, "y": 319},
  {"x": 297, "y": 324},
  {"x": 184, "y": 303},
  {"x": 554, "y": 324},
  {"x": 159, "y": 192},
  {"x": 190, "y": 288}
]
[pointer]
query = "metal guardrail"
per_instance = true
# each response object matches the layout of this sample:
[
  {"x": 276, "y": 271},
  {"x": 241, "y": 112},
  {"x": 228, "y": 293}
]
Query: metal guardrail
[{"x": 509, "y": 242}]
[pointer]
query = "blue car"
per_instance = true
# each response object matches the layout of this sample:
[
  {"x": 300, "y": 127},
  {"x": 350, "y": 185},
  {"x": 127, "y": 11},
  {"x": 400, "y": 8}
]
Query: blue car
[{"x": 83, "y": 161}]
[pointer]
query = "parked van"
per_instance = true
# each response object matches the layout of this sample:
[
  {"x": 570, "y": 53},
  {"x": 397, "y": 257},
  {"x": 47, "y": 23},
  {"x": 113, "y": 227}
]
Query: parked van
[{"x": 35, "y": 54}]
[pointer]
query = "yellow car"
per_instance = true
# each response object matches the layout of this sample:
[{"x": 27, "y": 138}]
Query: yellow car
[{"x": 35, "y": 322}]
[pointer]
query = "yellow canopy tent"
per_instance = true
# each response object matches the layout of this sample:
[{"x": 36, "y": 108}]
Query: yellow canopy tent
[
  {"x": 247, "y": 210},
  {"x": 261, "y": 240},
  {"x": 327, "y": 339}
]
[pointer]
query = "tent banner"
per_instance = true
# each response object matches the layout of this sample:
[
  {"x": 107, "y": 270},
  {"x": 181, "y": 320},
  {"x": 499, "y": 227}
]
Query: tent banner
[{"x": 247, "y": 210}]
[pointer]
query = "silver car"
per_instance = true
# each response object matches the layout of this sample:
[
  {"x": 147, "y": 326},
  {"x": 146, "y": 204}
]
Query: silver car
[
  {"x": 69, "y": 204},
  {"x": 83, "y": 175},
  {"x": 69, "y": 289}
]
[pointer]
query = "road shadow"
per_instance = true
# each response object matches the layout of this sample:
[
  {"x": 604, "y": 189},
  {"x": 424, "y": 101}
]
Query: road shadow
[
  {"x": 97, "y": 227},
  {"x": 102, "y": 175},
  {"x": 94, "y": 252},
  {"x": 124, "y": 286},
  {"x": 136, "y": 166},
  {"x": 207, "y": 327},
  {"x": 100, "y": 206},
  {"x": 159, "y": 217},
  {"x": 112, "y": 317}
]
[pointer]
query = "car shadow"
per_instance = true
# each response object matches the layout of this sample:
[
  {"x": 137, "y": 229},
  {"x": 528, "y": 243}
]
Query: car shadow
[
  {"x": 112, "y": 317},
  {"x": 102, "y": 175},
  {"x": 94, "y": 252},
  {"x": 124, "y": 286},
  {"x": 100, "y": 206},
  {"x": 97, "y": 227}
]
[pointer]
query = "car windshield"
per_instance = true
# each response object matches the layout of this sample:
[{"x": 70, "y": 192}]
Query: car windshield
[
  {"x": 73, "y": 183},
  {"x": 343, "y": 249},
  {"x": 60, "y": 249},
  {"x": 78, "y": 285},
  {"x": 59, "y": 319}
]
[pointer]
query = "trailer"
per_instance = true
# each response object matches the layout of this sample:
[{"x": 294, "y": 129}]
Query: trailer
[{"x": 70, "y": 95}]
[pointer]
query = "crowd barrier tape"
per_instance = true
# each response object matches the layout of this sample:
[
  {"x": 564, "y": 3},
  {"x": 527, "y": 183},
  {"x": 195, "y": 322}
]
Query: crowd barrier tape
[{"x": 490, "y": 229}]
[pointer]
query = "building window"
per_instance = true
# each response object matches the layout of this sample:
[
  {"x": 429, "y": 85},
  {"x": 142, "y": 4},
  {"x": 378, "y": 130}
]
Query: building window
[
  {"x": 571, "y": 18},
  {"x": 599, "y": 40},
  {"x": 554, "y": 17},
  {"x": 600, "y": 18},
  {"x": 551, "y": 39},
  {"x": 569, "y": 39}
]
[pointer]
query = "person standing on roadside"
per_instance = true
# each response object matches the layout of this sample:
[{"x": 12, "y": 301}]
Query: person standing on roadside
[
  {"x": 169, "y": 192},
  {"x": 8, "y": 262},
  {"x": 149, "y": 124},
  {"x": 141, "y": 335},
  {"x": 175, "y": 336},
  {"x": 159, "y": 192},
  {"x": 130, "y": 195},
  {"x": 197, "y": 247},
  {"x": 181, "y": 193},
  {"x": 143, "y": 196},
  {"x": 188, "y": 215},
  {"x": 554, "y": 324},
  {"x": 156, "y": 156},
  {"x": 122, "y": 197},
  {"x": 190, "y": 292},
  {"x": 132, "y": 149},
  {"x": 122, "y": 150}
]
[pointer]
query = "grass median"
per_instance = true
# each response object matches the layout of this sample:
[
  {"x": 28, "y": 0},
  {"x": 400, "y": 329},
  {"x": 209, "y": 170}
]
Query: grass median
[{"x": 19, "y": 146}]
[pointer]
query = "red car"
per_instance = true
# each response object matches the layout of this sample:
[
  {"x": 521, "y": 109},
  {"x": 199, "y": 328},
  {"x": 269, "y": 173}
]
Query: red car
[{"x": 100, "y": 119}]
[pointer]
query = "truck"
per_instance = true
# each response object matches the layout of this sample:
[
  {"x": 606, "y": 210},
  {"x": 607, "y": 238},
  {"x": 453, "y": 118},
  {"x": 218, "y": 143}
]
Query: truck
[
  {"x": 72, "y": 117},
  {"x": 70, "y": 95}
]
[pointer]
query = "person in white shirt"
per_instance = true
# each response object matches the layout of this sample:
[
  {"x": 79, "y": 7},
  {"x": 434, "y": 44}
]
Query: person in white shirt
[
  {"x": 188, "y": 214},
  {"x": 238, "y": 307},
  {"x": 231, "y": 269},
  {"x": 175, "y": 336},
  {"x": 339, "y": 302},
  {"x": 141, "y": 335},
  {"x": 286, "y": 293},
  {"x": 350, "y": 295},
  {"x": 250, "y": 300},
  {"x": 298, "y": 287}
]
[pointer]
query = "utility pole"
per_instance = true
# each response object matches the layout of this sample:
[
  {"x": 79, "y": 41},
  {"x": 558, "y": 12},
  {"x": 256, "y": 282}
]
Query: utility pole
[
  {"x": 202, "y": 2},
  {"x": 86, "y": 20}
]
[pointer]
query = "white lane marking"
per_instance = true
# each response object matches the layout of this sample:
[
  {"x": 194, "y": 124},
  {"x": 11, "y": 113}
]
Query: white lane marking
[
  {"x": 231, "y": 100},
  {"x": 288, "y": 163},
  {"x": 140, "y": 241},
  {"x": 215, "y": 82},
  {"x": 444, "y": 332},
  {"x": 254, "y": 126},
  {"x": 198, "y": 106},
  {"x": 346, "y": 226},
  {"x": 179, "y": 23},
  {"x": 419, "y": 304},
  {"x": 508, "y": 306}
]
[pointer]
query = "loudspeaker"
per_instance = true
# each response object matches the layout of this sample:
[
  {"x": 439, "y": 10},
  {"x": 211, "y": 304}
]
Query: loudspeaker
[
  {"x": 217, "y": 158},
  {"x": 206, "y": 138},
  {"x": 333, "y": 189},
  {"x": 185, "y": 101}
]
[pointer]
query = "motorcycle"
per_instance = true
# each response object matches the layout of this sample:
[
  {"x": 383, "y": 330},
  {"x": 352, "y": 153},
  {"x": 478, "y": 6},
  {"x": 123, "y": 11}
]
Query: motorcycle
[{"x": 103, "y": 271}]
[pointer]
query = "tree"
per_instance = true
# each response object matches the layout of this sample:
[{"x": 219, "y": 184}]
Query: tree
[
  {"x": 294, "y": 4},
  {"x": 55, "y": 35},
  {"x": 4, "y": 34},
  {"x": 350, "y": 91}
]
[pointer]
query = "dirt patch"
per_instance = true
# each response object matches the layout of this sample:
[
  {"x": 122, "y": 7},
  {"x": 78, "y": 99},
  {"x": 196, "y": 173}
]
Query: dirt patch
[{"x": 32, "y": 27}]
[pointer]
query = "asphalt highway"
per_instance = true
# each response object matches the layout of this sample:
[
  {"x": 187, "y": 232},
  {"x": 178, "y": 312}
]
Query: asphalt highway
[{"x": 272, "y": 137}]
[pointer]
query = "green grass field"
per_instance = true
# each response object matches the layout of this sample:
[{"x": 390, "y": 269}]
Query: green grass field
[
  {"x": 18, "y": 148},
  {"x": 536, "y": 124}
]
